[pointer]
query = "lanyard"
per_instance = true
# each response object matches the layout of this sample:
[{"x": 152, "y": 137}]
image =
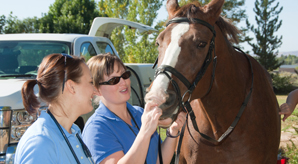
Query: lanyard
[
  {"x": 85, "y": 149},
  {"x": 129, "y": 125},
  {"x": 159, "y": 143}
]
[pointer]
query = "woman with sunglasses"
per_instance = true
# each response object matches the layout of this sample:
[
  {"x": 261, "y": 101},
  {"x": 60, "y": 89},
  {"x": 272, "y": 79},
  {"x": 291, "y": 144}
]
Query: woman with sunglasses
[
  {"x": 121, "y": 133},
  {"x": 65, "y": 84}
]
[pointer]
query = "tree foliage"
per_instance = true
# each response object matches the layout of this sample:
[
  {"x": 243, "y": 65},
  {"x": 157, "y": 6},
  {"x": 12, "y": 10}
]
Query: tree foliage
[
  {"x": 66, "y": 16},
  {"x": 288, "y": 59},
  {"x": 76, "y": 16},
  {"x": 2, "y": 23},
  {"x": 266, "y": 42},
  {"x": 13, "y": 25},
  {"x": 131, "y": 46}
]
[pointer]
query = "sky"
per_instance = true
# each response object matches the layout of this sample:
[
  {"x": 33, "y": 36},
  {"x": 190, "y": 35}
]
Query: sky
[{"x": 289, "y": 29}]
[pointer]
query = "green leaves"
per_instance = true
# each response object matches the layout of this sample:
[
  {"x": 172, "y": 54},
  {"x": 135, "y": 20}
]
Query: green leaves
[
  {"x": 2, "y": 23},
  {"x": 132, "y": 47},
  {"x": 76, "y": 16},
  {"x": 65, "y": 16}
]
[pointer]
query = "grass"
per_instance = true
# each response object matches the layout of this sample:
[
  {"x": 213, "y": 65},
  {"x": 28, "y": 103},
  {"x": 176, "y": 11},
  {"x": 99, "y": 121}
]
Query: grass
[{"x": 162, "y": 133}]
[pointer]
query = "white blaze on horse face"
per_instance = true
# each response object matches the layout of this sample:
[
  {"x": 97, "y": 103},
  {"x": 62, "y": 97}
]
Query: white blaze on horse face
[{"x": 161, "y": 83}]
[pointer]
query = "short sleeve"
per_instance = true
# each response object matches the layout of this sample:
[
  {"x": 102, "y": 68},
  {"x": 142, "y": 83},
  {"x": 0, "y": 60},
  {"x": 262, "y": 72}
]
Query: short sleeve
[
  {"x": 38, "y": 149},
  {"x": 100, "y": 140}
]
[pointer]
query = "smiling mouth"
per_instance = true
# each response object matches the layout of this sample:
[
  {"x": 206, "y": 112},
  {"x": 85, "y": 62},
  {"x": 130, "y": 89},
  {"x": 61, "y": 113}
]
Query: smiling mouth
[{"x": 124, "y": 90}]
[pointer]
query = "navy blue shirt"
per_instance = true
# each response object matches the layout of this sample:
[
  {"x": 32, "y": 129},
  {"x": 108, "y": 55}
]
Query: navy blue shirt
[{"x": 105, "y": 134}]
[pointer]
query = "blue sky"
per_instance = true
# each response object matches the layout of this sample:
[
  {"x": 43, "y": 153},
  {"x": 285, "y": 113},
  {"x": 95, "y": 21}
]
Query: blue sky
[{"x": 289, "y": 29}]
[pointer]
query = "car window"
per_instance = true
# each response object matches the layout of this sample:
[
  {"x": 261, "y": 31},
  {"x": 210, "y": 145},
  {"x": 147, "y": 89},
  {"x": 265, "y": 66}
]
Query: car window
[
  {"x": 87, "y": 50},
  {"x": 104, "y": 47},
  {"x": 24, "y": 57}
]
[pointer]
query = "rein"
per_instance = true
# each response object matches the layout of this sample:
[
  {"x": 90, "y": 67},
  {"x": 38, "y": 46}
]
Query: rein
[{"x": 163, "y": 69}]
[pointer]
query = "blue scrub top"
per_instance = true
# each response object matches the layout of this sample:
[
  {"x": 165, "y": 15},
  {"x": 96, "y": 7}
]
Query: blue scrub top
[
  {"x": 43, "y": 143},
  {"x": 105, "y": 133}
]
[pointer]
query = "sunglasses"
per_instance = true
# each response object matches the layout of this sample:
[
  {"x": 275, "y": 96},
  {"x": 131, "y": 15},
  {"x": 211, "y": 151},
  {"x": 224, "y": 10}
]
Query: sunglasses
[
  {"x": 64, "y": 79},
  {"x": 115, "y": 80}
]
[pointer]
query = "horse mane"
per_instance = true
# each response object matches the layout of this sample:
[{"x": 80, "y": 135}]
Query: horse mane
[{"x": 229, "y": 30}]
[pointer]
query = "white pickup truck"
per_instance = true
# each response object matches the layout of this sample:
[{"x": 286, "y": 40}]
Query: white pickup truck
[{"x": 20, "y": 56}]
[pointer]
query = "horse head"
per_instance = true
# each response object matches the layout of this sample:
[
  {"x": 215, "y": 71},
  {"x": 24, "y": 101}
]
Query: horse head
[{"x": 185, "y": 53}]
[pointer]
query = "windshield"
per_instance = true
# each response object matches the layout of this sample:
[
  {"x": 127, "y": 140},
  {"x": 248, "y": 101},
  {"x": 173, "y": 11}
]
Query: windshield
[{"x": 22, "y": 58}]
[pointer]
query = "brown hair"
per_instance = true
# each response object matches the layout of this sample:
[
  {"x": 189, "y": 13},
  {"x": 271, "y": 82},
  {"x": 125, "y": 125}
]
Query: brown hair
[
  {"x": 49, "y": 78},
  {"x": 103, "y": 64}
]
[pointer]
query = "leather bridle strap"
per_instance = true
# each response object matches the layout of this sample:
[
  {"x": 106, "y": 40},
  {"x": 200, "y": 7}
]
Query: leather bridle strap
[
  {"x": 241, "y": 110},
  {"x": 180, "y": 143},
  {"x": 166, "y": 68},
  {"x": 191, "y": 20}
]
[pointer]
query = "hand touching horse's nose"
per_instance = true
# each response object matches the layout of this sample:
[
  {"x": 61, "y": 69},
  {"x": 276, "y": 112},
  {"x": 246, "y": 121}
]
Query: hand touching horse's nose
[{"x": 150, "y": 118}]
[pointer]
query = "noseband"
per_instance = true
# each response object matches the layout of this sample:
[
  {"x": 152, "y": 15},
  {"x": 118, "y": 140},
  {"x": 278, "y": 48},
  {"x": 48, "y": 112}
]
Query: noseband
[{"x": 164, "y": 69}]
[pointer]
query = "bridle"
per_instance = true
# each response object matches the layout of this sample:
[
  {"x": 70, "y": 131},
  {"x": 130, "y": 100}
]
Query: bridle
[{"x": 164, "y": 69}]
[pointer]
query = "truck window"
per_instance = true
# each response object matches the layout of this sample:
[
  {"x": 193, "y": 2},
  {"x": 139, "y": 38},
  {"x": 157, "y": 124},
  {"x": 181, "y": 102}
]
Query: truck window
[
  {"x": 87, "y": 50},
  {"x": 104, "y": 47},
  {"x": 24, "y": 57}
]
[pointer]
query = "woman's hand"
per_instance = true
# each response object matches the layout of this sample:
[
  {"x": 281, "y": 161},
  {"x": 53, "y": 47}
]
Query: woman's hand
[
  {"x": 150, "y": 118},
  {"x": 286, "y": 110},
  {"x": 177, "y": 124}
]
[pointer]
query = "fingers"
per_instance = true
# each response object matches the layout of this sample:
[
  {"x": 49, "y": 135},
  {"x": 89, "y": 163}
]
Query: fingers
[
  {"x": 179, "y": 122},
  {"x": 157, "y": 112},
  {"x": 149, "y": 106},
  {"x": 285, "y": 117}
]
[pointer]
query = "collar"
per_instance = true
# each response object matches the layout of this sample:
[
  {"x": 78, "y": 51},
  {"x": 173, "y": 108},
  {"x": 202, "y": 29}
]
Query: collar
[
  {"x": 50, "y": 122},
  {"x": 103, "y": 111}
]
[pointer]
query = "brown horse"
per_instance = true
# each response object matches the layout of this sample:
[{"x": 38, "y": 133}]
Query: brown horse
[{"x": 198, "y": 64}]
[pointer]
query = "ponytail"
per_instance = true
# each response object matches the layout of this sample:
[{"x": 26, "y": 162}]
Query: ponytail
[{"x": 30, "y": 100}]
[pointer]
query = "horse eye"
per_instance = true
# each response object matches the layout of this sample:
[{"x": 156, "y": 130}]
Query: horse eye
[
  {"x": 202, "y": 44},
  {"x": 156, "y": 43}
]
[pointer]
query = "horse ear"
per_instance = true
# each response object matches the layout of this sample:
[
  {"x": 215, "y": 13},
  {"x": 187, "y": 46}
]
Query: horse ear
[
  {"x": 214, "y": 8},
  {"x": 172, "y": 7}
]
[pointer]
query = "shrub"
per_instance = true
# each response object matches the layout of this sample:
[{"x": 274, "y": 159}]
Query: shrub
[{"x": 282, "y": 84}]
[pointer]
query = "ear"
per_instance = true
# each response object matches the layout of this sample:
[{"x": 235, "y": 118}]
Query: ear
[
  {"x": 172, "y": 7},
  {"x": 214, "y": 9},
  {"x": 70, "y": 86}
]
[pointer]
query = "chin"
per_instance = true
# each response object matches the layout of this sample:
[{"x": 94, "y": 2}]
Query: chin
[{"x": 89, "y": 110}]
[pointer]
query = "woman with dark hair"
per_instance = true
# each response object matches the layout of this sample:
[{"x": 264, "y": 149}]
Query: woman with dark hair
[
  {"x": 65, "y": 84},
  {"x": 118, "y": 132}
]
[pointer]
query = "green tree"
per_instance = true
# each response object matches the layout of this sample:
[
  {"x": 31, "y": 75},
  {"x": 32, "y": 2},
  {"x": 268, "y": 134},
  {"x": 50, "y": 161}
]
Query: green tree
[
  {"x": 131, "y": 46},
  {"x": 66, "y": 16},
  {"x": 2, "y": 23},
  {"x": 14, "y": 25},
  {"x": 11, "y": 24},
  {"x": 267, "y": 24}
]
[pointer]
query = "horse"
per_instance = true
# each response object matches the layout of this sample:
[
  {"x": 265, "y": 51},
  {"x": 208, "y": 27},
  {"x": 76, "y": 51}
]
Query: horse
[{"x": 232, "y": 111}]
